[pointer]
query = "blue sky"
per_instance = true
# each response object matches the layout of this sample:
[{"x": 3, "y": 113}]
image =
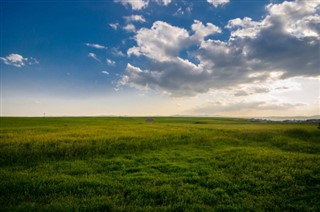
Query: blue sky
[{"x": 160, "y": 57}]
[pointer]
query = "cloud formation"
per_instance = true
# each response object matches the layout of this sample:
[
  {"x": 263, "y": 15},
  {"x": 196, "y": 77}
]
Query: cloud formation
[
  {"x": 96, "y": 46},
  {"x": 135, "y": 18},
  {"x": 163, "y": 2},
  {"x": 114, "y": 25},
  {"x": 135, "y": 5},
  {"x": 217, "y": 3},
  {"x": 251, "y": 91},
  {"x": 129, "y": 28},
  {"x": 110, "y": 62},
  {"x": 93, "y": 56},
  {"x": 283, "y": 44},
  {"x": 216, "y": 108},
  {"x": 116, "y": 52},
  {"x": 141, "y": 4},
  {"x": 105, "y": 72},
  {"x": 18, "y": 60},
  {"x": 163, "y": 42}
]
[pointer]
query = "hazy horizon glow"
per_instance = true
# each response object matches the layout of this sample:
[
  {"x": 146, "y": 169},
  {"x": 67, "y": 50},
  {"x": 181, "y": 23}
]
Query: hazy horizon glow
[{"x": 164, "y": 57}]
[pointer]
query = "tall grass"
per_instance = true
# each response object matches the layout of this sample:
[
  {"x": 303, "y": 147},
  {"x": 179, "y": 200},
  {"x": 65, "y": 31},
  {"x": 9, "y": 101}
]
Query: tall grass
[{"x": 126, "y": 164}]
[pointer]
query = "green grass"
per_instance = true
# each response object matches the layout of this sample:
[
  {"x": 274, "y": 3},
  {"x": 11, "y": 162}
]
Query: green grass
[{"x": 175, "y": 164}]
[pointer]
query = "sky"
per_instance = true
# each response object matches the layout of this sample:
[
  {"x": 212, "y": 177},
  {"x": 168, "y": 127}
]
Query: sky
[{"x": 235, "y": 58}]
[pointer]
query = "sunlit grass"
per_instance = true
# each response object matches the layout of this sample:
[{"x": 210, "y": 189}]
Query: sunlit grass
[{"x": 127, "y": 164}]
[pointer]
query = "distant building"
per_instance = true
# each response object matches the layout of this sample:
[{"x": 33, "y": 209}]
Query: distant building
[{"x": 149, "y": 120}]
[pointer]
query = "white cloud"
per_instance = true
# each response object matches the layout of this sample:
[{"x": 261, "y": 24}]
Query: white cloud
[
  {"x": 96, "y": 46},
  {"x": 105, "y": 72},
  {"x": 282, "y": 41},
  {"x": 300, "y": 18},
  {"x": 135, "y": 4},
  {"x": 244, "y": 27},
  {"x": 141, "y": 4},
  {"x": 129, "y": 28},
  {"x": 110, "y": 62},
  {"x": 163, "y": 41},
  {"x": 93, "y": 56},
  {"x": 201, "y": 31},
  {"x": 217, "y": 3},
  {"x": 135, "y": 18},
  {"x": 18, "y": 60},
  {"x": 255, "y": 51},
  {"x": 163, "y": 2},
  {"x": 114, "y": 25}
]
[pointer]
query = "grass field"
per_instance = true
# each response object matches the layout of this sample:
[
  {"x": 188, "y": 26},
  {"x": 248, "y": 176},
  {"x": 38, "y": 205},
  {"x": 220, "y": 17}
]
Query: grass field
[{"x": 175, "y": 164}]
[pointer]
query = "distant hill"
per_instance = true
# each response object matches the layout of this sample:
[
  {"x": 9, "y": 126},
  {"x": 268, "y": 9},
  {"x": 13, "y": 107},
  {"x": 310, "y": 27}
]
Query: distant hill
[{"x": 281, "y": 118}]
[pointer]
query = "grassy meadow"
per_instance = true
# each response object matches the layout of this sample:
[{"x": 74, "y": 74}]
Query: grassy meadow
[{"x": 175, "y": 164}]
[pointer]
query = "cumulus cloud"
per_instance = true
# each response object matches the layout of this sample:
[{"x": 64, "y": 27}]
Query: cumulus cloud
[
  {"x": 201, "y": 31},
  {"x": 271, "y": 48},
  {"x": 129, "y": 28},
  {"x": 96, "y": 46},
  {"x": 168, "y": 76},
  {"x": 163, "y": 41},
  {"x": 217, "y": 3},
  {"x": 135, "y": 18},
  {"x": 18, "y": 60},
  {"x": 135, "y": 5},
  {"x": 14, "y": 59},
  {"x": 275, "y": 41},
  {"x": 93, "y": 56},
  {"x": 245, "y": 27}
]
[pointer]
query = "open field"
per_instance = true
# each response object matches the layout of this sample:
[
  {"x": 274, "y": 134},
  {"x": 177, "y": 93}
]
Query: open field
[{"x": 126, "y": 164}]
